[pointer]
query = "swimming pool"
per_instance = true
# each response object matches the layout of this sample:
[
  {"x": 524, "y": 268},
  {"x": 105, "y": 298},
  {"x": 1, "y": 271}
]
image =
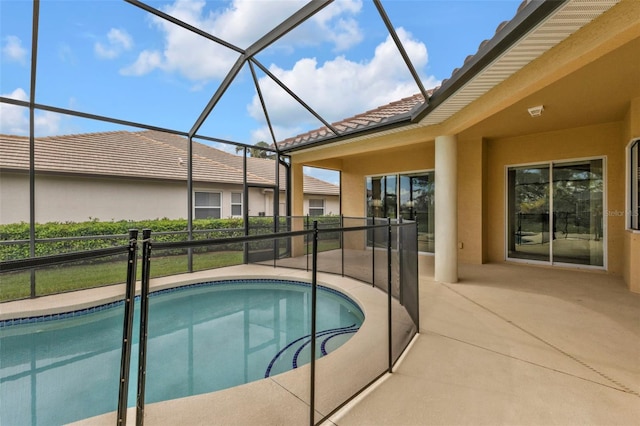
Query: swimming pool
[{"x": 202, "y": 338}]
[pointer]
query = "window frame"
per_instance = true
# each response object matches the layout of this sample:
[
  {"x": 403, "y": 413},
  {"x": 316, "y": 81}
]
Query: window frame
[
  {"x": 232, "y": 204},
  {"x": 551, "y": 164},
  {"x": 196, "y": 207},
  {"x": 633, "y": 186},
  {"x": 398, "y": 208},
  {"x": 323, "y": 208}
]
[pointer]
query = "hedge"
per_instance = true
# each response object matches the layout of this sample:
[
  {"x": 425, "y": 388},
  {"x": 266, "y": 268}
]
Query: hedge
[
  {"x": 216, "y": 228},
  {"x": 20, "y": 231}
]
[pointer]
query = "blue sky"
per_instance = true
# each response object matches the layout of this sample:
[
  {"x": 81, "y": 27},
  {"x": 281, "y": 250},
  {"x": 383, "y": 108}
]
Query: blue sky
[{"x": 113, "y": 59}]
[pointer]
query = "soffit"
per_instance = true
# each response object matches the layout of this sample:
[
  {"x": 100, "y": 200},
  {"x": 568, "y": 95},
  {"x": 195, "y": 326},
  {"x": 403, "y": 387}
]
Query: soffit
[
  {"x": 599, "y": 92},
  {"x": 565, "y": 21}
]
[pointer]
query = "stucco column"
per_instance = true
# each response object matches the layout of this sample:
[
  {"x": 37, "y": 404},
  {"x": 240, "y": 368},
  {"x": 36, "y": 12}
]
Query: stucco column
[
  {"x": 446, "y": 220},
  {"x": 297, "y": 208}
]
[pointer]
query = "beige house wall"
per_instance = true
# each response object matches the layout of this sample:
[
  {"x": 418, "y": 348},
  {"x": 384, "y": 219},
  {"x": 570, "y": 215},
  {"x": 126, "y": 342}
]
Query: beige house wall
[
  {"x": 481, "y": 183},
  {"x": 62, "y": 198},
  {"x": 297, "y": 189},
  {"x": 298, "y": 247},
  {"x": 260, "y": 202},
  {"x": 331, "y": 203},
  {"x": 631, "y": 266},
  {"x": 14, "y": 203},
  {"x": 482, "y": 167},
  {"x": 471, "y": 200},
  {"x": 76, "y": 199},
  {"x": 356, "y": 168}
]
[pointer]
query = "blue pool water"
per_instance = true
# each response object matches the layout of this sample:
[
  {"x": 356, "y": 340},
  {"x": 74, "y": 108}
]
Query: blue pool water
[{"x": 202, "y": 338}]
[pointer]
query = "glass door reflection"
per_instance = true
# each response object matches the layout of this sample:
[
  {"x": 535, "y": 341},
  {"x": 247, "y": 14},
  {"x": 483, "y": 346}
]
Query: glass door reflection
[
  {"x": 417, "y": 203},
  {"x": 529, "y": 213},
  {"x": 406, "y": 196},
  {"x": 577, "y": 213}
]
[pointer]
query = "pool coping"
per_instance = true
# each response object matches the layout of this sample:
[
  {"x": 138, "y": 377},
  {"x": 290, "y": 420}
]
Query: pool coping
[
  {"x": 280, "y": 399},
  {"x": 80, "y": 300}
]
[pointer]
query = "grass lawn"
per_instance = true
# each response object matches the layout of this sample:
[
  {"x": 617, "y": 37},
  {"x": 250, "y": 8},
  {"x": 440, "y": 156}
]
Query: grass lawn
[
  {"x": 16, "y": 285},
  {"x": 77, "y": 276}
]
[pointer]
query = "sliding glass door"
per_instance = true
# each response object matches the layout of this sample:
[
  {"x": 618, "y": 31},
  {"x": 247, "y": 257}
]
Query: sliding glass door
[
  {"x": 555, "y": 213},
  {"x": 417, "y": 203},
  {"x": 529, "y": 201},
  {"x": 577, "y": 211}
]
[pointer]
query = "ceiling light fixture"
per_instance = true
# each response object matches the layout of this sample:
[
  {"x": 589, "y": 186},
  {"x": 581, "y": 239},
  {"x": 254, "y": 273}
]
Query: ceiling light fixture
[{"x": 536, "y": 111}]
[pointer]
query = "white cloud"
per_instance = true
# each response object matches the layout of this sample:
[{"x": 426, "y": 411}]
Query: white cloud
[
  {"x": 66, "y": 54},
  {"x": 13, "y": 51},
  {"x": 341, "y": 88},
  {"x": 118, "y": 41},
  {"x": 343, "y": 32},
  {"x": 47, "y": 123},
  {"x": 19, "y": 94},
  {"x": 15, "y": 119},
  {"x": 281, "y": 132},
  {"x": 241, "y": 23},
  {"x": 146, "y": 62},
  {"x": 120, "y": 37}
]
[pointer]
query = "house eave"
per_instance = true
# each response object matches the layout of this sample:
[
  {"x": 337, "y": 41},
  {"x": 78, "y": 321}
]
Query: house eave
[
  {"x": 535, "y": 29},
  {"x": 534, "y": 13}
]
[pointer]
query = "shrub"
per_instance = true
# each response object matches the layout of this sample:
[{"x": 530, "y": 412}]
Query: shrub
[{"x": 107, "y": 234}]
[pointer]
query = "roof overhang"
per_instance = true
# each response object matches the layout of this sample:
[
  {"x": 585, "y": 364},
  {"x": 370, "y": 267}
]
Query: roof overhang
[{"x": 537, "y": 27}]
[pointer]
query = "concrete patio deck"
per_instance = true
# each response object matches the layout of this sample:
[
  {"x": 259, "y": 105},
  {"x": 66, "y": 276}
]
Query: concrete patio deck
[{"x": 514, "y": 345}]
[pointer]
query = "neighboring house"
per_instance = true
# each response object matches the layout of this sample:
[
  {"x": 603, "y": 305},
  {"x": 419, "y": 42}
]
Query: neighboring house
[
  {"x": 528, "y": 153},
  {"x": 140, "y": 175}
]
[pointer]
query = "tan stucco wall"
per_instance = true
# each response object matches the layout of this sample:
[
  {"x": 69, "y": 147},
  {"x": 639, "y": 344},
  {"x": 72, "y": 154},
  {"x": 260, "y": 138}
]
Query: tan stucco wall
[
  {"x": 412, "y": 158},
  {"x": 471, "y": 180},
  {"x": 593, "y": 141},
  {"x": 632, "y": 261},
  {"x": 297, "y": 185},
  {"x": 631, "y": 267},
  {"x": 420, "y": 157}
]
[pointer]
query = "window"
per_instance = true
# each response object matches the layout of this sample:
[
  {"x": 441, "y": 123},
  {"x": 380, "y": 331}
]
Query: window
[
  {"x": 634, "y": 186},
  {"x": 409, "y": 196},
  {"x": 236, "y": 204},
  {"x": 555, "y": 212},
  {"x": 208, "y": 205},
  {"x": 316, "y": 207}
]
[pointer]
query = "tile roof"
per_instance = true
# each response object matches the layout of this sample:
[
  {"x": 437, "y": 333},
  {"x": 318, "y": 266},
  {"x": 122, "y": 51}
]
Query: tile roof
[
  {"x": 145, "y": 154},
  {"x": 380, "y": 115},
  {"x": 316, "y": 186}
]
